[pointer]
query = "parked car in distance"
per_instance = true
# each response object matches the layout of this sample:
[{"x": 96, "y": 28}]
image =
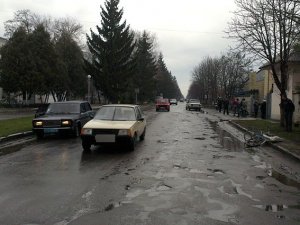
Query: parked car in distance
[
  {"x": 115, "y": 124},
  {"x": 162, "y": 104},
  {"x": 173, "y": 101},
  {"x": 63, "y": 118},
  {"x": 193, "y": 104}
]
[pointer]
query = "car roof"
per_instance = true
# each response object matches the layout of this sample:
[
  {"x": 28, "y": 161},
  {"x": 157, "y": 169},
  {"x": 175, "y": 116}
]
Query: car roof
[
  {"x": 119, "y": 105},
  {"x": 71, "y": 102}
]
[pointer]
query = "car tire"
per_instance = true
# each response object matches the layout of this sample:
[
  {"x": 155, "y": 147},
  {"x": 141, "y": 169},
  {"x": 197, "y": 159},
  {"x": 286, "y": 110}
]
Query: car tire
[
  {"x": 132, "y": 143},
  {"x": 142, "y": 137},
  {"x": 39, "y": 134},
  {"x": 86, "y": 146}
]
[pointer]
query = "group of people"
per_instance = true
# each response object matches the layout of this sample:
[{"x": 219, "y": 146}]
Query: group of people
[{"x": 239, "y": 108}]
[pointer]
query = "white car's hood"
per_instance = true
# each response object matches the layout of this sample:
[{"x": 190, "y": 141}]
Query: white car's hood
[{"x": 104, "y": 124}]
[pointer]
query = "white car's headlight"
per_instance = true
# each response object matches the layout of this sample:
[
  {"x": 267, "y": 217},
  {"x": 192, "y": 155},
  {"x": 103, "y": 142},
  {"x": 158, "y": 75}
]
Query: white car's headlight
[
  {"x": 124, "y": 132},
  {"x": 86, "y": 131}
]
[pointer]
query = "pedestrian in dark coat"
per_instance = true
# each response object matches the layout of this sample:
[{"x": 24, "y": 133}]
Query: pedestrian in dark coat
[
  {"x": 288, "y": 108},
  {"x": 220, "y": 102},
  {"x": 263, "y": 109},
  {"x": 225, "y": 106},
  {"x": 256, "y": 106}
]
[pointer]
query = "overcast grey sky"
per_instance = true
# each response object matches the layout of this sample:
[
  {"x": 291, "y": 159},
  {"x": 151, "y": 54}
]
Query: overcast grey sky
[{"x": 186, "y": 31}]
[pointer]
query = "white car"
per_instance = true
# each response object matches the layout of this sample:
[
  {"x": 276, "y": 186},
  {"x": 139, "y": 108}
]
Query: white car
[
  {"x": 115, "y": 124},
  {"x": 193, "y": 104},
  {"x": 173, "y": 101}
]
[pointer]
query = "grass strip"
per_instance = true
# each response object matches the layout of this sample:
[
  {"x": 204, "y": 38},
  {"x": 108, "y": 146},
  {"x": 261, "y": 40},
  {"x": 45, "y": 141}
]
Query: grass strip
[{"x": 16, "y": 125}]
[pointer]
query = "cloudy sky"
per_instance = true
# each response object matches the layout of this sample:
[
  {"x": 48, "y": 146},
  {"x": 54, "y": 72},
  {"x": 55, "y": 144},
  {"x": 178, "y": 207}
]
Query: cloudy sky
[{"x": 186, "y": 31}]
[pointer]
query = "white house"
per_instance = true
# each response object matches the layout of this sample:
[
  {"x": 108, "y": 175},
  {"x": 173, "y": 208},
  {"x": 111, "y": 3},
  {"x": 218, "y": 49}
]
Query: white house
[{"x": 292, "y": 91}]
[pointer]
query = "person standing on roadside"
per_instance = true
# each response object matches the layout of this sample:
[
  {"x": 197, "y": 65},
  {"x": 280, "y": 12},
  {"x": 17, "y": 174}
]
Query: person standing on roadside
[
  {"x": 289, "y": 108},
  {"x": 219, "y": 102},
  {"x": 234, "y": 106},
  {"x": 263, "y": 109},
  {"x": 256, "y": 106},
  {"x": 242, "y": 108},
  {"x": 225, "y": 106}
]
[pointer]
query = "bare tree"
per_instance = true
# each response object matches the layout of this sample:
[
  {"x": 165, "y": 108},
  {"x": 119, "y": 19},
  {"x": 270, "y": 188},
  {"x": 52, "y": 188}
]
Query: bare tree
[
  {"x": 268, "y": 29},
  {"x": 205, "y": 74},
  {"x": 22, "y": 18},
  {"x": 56, "y": 27},
  {"x": 67, "y": 26},
  {"x": 222, "y": 76},
  {"x": 234, "y": 70}
]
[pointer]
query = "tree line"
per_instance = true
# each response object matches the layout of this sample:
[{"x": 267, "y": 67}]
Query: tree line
[
  {"x": 223, "y": 76},
  {"x": 45, "y": 57}
]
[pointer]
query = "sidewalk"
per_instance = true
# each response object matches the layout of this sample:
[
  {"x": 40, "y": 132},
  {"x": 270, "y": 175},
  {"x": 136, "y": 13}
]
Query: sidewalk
[{"x": 286, "y": 146}]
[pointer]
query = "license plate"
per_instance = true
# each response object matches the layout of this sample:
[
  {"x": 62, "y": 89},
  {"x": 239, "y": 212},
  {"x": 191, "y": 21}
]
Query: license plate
[
  {"x": 105, "y": 138},
  {"x": 50, "y": 130}
]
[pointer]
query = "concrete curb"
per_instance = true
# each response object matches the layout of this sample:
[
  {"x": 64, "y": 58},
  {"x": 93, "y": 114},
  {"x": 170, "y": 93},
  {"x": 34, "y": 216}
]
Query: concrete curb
[
  {"x": 273, "y": 145},
  {"x": 15, "y": 136}
]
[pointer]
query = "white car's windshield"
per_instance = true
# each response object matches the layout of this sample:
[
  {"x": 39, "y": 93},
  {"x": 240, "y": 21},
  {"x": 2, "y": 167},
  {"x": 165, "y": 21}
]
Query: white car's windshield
[
  {"x": 194, "y": 100},
  {"x": 116, "y": 113}
]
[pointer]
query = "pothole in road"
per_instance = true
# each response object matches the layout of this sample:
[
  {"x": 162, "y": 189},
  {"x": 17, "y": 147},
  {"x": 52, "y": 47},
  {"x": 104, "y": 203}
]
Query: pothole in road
[
  {"x": 162, "y": 142},
  {"x": 179, "y": 167},
  {"x": 216, "y": 171},
  {"x": 200, "y": 138},
  {"x": 163, "y": 188},
  {"x": 223, "y": 156},
  {"x": 227, "y": 140},
  {"x": 283, "y": 179}
]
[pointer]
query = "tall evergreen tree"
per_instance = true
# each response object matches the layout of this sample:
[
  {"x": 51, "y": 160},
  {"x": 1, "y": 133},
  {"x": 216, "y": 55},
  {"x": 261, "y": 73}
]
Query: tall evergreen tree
[
  {"x": 112, "y": 50},
  {"x": 146, "y": 68},
  {"x": 164, "y": 80},
  {"x": 15, "y": 61},
  {"x": 48, "y": 68}
]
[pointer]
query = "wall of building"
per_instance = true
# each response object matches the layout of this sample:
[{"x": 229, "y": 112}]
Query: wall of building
[{"x": 295, "y": 96}]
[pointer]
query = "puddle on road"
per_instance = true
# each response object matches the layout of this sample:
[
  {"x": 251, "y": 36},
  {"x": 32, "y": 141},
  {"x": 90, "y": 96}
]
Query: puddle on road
[
  {"x": 272, "y": 208},
  {"x": 283, "y": 179},
  {"x": 227, "y": 140}
]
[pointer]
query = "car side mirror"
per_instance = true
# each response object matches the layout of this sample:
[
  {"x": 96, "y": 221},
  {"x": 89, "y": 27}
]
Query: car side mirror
[{"x": 141, "y": 119}]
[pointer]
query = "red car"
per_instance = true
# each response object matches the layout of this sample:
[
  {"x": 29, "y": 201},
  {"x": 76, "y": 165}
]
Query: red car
[{"x": 162, "y": 104}]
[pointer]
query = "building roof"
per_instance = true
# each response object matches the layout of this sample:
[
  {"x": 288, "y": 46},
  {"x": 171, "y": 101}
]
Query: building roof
[{"x": 294, "y": 57}]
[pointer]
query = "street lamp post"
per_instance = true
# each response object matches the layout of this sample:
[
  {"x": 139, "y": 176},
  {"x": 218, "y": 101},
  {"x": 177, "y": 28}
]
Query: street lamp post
[{"x": 89, "y": 87}]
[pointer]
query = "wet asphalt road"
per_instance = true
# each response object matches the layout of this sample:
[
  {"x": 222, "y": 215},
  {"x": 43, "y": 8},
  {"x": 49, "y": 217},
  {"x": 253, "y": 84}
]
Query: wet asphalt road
[{"x": 189, "y": 170}]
